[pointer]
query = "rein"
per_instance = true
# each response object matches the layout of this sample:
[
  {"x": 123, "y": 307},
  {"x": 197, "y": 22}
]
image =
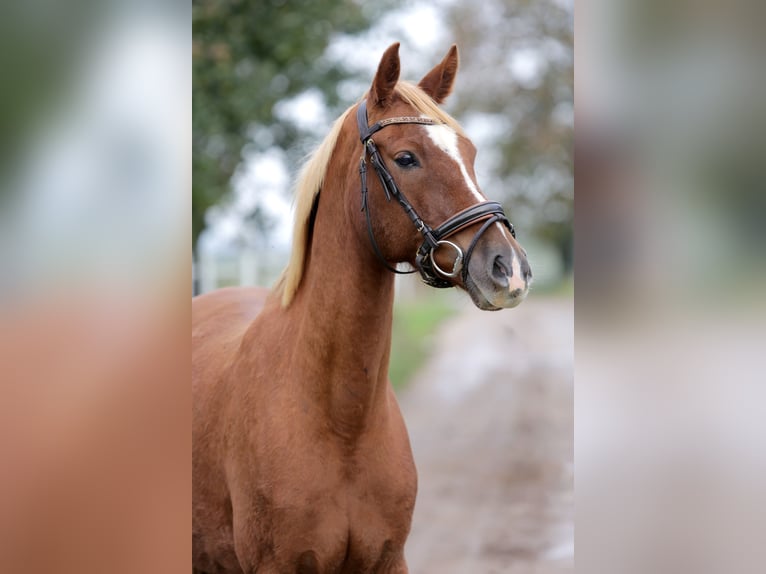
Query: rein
[{"x": 431, "y": 273}]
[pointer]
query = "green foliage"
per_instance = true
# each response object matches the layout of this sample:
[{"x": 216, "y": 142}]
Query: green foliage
[
  {"x": 414, "y": 324},
  {"x": 38, "y": 52},
  {"x": 247, "y": 56}
]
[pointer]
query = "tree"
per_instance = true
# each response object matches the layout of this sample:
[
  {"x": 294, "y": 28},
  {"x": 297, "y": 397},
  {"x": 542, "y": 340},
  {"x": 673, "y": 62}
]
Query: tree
[
  {"x": 517, "y": 65},
  {"x": 247, "y": 56}
]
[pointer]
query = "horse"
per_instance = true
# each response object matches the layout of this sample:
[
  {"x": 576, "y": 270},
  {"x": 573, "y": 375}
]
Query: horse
[{"x": 301, "y": 458}]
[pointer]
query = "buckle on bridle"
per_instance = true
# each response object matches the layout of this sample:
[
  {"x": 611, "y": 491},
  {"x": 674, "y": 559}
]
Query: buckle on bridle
[{"x": 456, "y": 265}]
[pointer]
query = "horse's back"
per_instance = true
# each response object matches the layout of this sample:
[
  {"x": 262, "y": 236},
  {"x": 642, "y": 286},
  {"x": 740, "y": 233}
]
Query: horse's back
[
  {"x": 219, "y": 320},
  {"x": 225, "y": 310}
]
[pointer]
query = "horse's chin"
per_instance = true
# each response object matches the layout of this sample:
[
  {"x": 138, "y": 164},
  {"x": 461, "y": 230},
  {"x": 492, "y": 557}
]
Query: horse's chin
[
  {"x": 478, "y": 297},
  {"x": 485, "y": 305},
  {"x": 497, "y": 301}
]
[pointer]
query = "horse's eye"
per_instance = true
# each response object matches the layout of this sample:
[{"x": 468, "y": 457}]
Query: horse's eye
[{"x": 406, "y": 159}]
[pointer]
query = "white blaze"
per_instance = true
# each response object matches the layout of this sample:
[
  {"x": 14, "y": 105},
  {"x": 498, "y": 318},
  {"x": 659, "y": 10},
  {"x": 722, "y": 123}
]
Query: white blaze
[
  {"x": 515, "y": 261},
  {"x": 446, "y": 139}
]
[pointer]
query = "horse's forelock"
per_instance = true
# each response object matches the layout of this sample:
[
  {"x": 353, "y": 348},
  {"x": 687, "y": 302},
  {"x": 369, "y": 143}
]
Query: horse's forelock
[{"x": 425, "y": 105}]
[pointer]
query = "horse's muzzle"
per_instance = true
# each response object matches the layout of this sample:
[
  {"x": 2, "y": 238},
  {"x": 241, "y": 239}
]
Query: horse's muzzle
[{"x": 498, "y": 276}]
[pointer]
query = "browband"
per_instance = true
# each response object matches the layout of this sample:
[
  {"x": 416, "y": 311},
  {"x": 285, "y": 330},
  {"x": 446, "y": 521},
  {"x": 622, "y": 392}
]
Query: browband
[{"x": 366, "y": 132}]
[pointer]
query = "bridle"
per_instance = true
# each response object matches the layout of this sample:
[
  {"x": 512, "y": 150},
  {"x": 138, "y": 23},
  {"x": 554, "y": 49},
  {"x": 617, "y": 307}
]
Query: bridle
[{"x": 487, "y": 211}]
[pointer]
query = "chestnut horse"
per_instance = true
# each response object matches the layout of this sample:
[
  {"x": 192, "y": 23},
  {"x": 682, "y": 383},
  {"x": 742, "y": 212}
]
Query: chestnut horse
[{"x": 301, "y": 460}]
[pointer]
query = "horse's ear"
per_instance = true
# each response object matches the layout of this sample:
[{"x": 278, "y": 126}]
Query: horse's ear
[
  {"x": 438, "y": 82},
  {"x": 386, "y": 77}
]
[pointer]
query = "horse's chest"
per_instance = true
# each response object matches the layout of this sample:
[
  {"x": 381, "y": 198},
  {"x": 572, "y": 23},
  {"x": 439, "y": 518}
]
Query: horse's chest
[{"x": 352, "y": 518}]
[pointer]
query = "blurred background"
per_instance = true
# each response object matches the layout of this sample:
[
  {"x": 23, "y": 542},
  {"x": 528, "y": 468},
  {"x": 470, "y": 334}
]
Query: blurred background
[
  {"x": 95, "y": 180},
  {"x": 670, "y": 418},
  {"x": 487, "y": 397}
]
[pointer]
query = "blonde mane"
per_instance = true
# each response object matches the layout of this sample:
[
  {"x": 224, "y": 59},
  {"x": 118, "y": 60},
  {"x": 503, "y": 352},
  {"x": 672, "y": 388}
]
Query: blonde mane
[{"x": 311, "y": 178}]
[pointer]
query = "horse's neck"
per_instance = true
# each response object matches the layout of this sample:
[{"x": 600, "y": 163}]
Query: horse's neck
[{"x": 345, "y": 303}]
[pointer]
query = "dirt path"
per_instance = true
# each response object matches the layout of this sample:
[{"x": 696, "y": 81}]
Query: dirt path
[{"x": 490, "y": 419}]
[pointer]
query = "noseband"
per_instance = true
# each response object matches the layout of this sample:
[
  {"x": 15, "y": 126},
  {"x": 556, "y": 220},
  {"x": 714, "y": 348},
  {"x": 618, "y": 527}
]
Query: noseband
[{"x": 432, "y": 274}]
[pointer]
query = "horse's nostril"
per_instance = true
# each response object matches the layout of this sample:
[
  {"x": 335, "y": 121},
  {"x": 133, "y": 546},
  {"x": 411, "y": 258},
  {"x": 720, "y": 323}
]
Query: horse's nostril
[
  {"x": 500, "y": 270},
  {"x": 526, "y": 271}
]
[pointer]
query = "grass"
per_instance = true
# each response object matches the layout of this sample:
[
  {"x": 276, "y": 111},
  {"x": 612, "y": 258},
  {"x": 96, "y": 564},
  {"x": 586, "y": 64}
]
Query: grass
[
  {"x": 415, "y": 322},
  {"x": 563, "y": 287}
]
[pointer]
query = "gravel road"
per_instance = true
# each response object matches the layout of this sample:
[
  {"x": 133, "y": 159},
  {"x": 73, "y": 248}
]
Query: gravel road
[{"x": 490, "y": 417}]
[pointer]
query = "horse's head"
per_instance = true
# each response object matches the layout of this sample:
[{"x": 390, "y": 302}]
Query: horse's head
[{"x": 438, "y": 220}]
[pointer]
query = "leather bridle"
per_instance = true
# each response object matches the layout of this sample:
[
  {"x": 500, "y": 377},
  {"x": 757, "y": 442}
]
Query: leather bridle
[{"x": 487, "y": 211}]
